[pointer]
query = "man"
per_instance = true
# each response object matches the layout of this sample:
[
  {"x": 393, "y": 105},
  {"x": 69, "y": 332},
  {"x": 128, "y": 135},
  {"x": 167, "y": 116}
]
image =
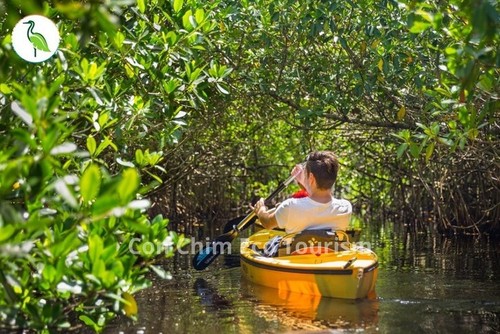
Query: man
[{"x": 320, "y": 210}]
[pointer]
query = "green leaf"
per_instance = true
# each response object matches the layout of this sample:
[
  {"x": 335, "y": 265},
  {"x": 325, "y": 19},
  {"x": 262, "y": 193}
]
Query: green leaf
[
  {"x": 117, "y": 266},
  {"x": 119, "y": 39},
  {"x": 414, "y": 150},
  {"x": 95, "y": 248},
  {"x": 445, "y": 141},
  {"x": 178, "y": 5},
  {"x": 462, "y": 142},
  {"x": 87, "y": 320},
  {"x": 104, "y": 204},
  {"x": 6, "y": 232},
  {"x": 141, "y": 5},
  {"x": 91, "y": 145},
  {"x": 63, "y": 247},
  {"x": 139, "y": 158},
  {"x": 187, "y": 21},
  {"x": 429, "y": 151},
  {"x": 170, "y": 86},
  {"x": 472, "y": 133},
  {"x": 222, "y": 89},
  {"x": 401, "y": 149},
  {"x": 128, "y": 184},
  {"x": 199, "y": 15},
  {"x": 102, "y": 146},
  {"x": 90, "y": 183},
  {"x": 91, "y": 323},
  {"x": 154, "y": 176},
  {"x": 434, "y": 129},
  {"x": 103, "y": 119},
  {"x": 427, "y": 16},
  {"x": 419, "y": 26},
  {"x": 49, "y": 273},
  {"x": 5, "y": 89}
]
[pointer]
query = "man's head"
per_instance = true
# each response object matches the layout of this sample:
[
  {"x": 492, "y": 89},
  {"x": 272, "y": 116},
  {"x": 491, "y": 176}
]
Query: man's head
[{"x": 324, "y": 165}]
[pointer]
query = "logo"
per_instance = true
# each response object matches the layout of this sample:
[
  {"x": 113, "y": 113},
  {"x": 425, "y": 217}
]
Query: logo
[{"x": 35, "y": 38}]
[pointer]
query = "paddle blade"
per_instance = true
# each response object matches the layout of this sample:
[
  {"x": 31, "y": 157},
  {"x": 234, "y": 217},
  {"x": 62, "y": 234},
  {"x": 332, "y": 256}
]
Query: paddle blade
[
  {"x": 209, "y": 253},
  {"x": 204, "y": 257}
]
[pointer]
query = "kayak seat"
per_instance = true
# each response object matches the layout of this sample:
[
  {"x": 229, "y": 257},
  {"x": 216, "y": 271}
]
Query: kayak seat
[{"x": 306, "y": 242}]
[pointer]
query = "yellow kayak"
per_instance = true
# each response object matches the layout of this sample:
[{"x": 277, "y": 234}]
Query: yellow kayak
[{"x": 322, "y": 263}]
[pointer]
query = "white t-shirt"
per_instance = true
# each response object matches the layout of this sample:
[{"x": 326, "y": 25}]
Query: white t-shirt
[{"x": 297, "y": 214}]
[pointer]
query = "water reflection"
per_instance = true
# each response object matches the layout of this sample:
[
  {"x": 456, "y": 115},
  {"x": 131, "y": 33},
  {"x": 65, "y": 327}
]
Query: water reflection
[
  {"x": 210, "y": 297},
  {"x": 329, "y": 312}
]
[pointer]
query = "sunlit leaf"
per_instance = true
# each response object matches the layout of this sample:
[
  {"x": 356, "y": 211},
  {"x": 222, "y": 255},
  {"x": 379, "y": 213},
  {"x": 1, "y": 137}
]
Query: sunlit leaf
[
  {"x": 119, "y": 39},
  {"x": 139, "y": 204},
  {"x": 6, "y": 232},
  {"x": 91, "y": 145},
  {"x": 23, "y": 114},
  {"x": 161, "y": 272},
  {"x": 222, "y": 89},
  {"x": 5, "y": 89},
  {"x": 125, "y": 163},
  {"x": 95, "y": 248},
  {"x": 178, "y": 5},
  {"x": 65, "y": 193},
  {"x": 419, "y": 26},
  {"x": 200, "y": 15},
  {"x": 90, "y": 183},
  {"x": 64, "y": 148},
  {"x": 141, "y": 5},
  {"x": 128, "y": 184},
  {"x": 187, "y": 20}
]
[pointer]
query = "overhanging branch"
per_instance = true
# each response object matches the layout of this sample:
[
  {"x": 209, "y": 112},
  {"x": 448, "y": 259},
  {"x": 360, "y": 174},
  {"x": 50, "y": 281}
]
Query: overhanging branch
[{"x": 344, "y": 119}]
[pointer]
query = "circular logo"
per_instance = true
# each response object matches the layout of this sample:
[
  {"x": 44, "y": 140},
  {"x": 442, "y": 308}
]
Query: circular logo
[{"x": 35, "y": 38}]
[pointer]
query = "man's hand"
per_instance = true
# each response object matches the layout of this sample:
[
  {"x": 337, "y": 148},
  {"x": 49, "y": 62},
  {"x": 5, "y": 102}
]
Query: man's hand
[
  {"x": 259, "y": 207},
  {"x": 266, "y": 217},
  {"x": 300, "y": 175}
]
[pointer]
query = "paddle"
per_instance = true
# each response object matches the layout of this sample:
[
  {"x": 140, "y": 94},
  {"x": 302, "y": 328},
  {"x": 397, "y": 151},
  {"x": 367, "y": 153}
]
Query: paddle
[
  {"x": 208, "y": 254},
  {"x": 230, "y": 225}
]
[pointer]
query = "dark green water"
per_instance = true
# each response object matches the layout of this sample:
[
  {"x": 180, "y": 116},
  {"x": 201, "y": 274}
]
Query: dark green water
[{"x": 426, "y": 284}]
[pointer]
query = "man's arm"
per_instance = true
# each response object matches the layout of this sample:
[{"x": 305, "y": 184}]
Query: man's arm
[{"x": 266, "y": 217}]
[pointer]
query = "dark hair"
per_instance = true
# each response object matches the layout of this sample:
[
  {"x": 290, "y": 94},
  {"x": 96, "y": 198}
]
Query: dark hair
[{"x": 324, "y": 165}]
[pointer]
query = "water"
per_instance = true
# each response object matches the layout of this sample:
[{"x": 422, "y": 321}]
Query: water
[{"x": 426, "y": 284}]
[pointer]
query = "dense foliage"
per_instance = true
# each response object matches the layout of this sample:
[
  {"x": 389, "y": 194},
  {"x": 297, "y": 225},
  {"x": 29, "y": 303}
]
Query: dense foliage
[
  {"x": 77, "y": 134},
  {"x": 198, "y": 106},
  {"x": 405, "y": 92}
]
